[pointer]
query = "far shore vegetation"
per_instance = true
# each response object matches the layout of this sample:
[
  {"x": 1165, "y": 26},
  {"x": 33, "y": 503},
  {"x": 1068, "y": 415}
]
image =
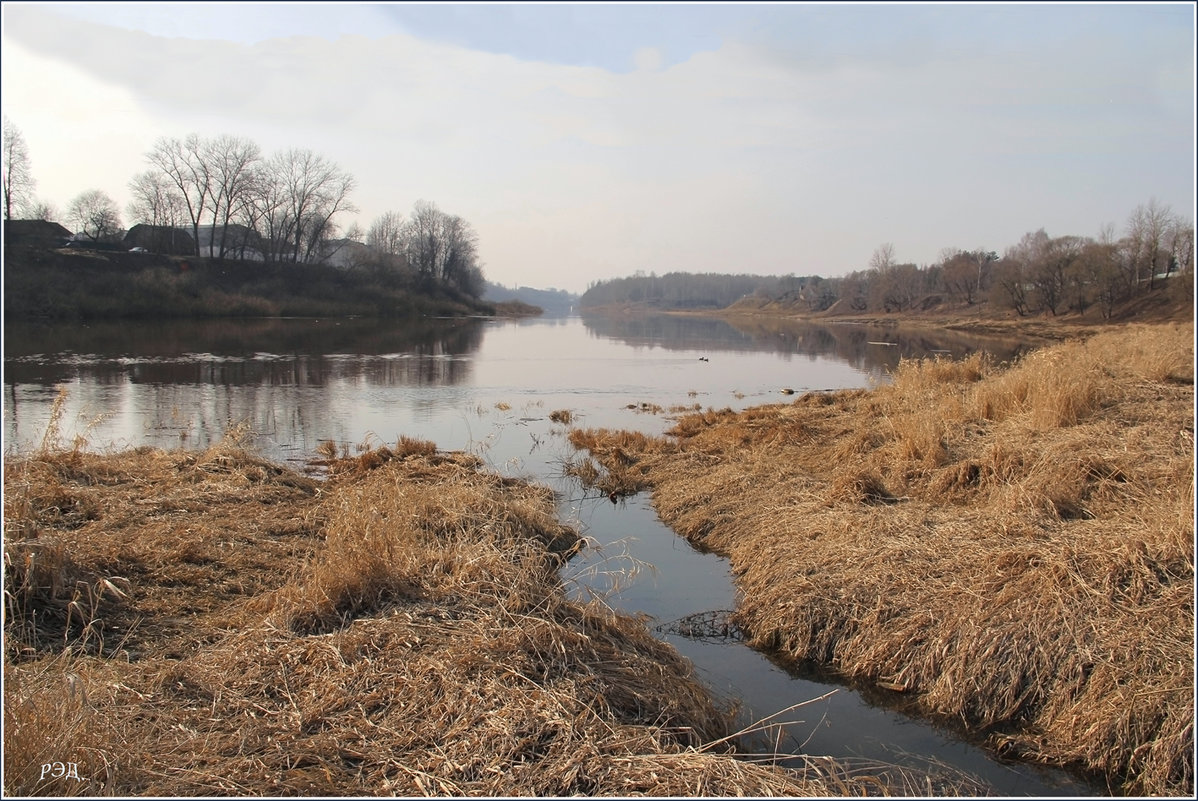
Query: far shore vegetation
[
  {"x": 47, "y": 283},
  {"x": 1144, "y": 270}
]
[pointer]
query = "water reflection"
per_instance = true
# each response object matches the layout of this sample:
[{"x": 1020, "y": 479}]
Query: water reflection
[
  {"x": 876, "y": 350},
  {"x": 288, "y": 352}
]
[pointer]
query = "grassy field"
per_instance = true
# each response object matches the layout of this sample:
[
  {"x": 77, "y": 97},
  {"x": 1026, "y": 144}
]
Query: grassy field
[
  {"x": 209, "y": 623},
  {"x": 1007, "y": 546}
]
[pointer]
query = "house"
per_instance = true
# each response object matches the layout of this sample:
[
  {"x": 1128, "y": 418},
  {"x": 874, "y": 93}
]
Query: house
[
  {"x": 240, "y": 242},
  {"x": 161, "y": 239},
  {"x": 346, "y": 254},
  {"x": 35, "y": 233}
]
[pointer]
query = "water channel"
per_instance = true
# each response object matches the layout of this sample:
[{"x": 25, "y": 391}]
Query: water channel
[{"x": 489, "y": 387}]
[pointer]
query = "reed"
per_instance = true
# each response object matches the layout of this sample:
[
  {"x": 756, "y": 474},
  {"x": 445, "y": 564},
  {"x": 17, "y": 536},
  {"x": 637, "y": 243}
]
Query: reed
[
  {"x": 1011, "y": 546},
  {"x": 397, "y": 629}
]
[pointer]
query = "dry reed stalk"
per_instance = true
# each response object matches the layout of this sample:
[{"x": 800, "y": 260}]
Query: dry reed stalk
[
  {"x": 1012, "y": 547},
  {"x": 398, "y": 630}
]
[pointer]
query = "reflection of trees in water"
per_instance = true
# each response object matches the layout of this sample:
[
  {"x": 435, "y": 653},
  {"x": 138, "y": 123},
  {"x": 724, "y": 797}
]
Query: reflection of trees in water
[
  {"x": 851, "y": 343},
  {"x": 300, "y": 352},
  {"x": 670, "y": 331}
]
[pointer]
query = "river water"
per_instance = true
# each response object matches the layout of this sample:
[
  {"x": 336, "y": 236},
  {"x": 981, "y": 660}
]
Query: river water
[{"x": 489, "y": 387}]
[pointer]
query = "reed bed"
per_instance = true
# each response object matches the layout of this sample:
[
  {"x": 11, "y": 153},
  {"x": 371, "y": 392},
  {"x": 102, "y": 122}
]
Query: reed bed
[
  {"x": 193, "y": 624},
  {"x": 1009, "y": 546}
]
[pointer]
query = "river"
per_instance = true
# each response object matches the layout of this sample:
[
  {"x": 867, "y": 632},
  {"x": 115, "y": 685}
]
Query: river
[{"x": 489, "y": 387}]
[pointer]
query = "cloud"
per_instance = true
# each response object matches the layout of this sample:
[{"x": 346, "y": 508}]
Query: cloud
[{"x": 784, "y": 149}]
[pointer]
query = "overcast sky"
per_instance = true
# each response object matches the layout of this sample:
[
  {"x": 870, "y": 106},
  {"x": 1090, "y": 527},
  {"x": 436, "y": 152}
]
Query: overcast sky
[{"x": 590, "y": 141}]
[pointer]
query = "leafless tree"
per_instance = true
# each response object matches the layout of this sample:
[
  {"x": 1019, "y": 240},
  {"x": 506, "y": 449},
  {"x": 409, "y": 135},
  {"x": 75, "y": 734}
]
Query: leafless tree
[
  {"x": 95, "y": 215},
  {"x": 1183, "y": 248},
  {"x": 959, "y": 275},
  {"x": 1051, "y": 269},
  {"x": 1147, "y": 229},
  {"x": 386, "y": 233},
  {"x": 41, "y": 210},
  {"x": 299, "y": 194},
  {"x": 422, "y": 240},
  {"x": 231, "y": 161},
  {"x": 18, "y": 175},
  {"x": 183, "y": 162},
  {"x": 156, "y": 200},
  {"x": 883, "y": 258},
  {"x": 460, "y": 267}
]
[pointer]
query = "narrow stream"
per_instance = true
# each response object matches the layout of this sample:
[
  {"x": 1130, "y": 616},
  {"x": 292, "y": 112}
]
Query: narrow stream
[{"x": 641, "y": 566}]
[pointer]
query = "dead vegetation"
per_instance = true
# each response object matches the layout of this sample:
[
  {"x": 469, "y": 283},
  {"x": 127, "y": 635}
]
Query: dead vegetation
[
  {"x": 1012, "y": 547},
  {"x": 207, "y": 623}
]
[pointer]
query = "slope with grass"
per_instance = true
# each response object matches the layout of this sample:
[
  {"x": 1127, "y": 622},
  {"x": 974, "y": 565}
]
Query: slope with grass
[
  {"x": 1010, "y": 547},
  {"x": 208, "y": 623},
  {"x": 70, "y": 284}
]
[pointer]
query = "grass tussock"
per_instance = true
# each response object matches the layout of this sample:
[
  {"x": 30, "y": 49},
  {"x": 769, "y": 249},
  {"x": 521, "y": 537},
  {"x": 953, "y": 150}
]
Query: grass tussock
[
  {"x": 399, "y": 629},
  {"x": 1012, "y": 547}
]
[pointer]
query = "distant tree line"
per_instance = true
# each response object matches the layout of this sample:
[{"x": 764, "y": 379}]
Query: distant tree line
[
  {"x": 679, "y": 290},
  {"x": 1038, "y": 275},
  {"x": 238, "y": 203}
]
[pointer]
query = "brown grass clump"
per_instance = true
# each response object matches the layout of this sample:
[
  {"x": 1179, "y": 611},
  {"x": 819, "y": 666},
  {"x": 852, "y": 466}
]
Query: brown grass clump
[
  {"x": 1012, "y": 547},
  {"x": 399, "y": 629},
  {"x": 621, "y": 473}
]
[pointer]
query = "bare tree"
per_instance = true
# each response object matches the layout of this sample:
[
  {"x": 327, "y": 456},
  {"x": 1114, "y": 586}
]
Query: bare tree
[
  {"x": 299, "y": 194},
  {"x": 959, "y": 275},
  {"x": 883, "y": 258},
  {"x": 1013, "y": 275},
  {"x": 41, "y": 210},
  {"x": 1183, "y": 247},
  {"x": 386, "y": 233},
  {"x": 95, "y": 214},
  {"x": 460, "y": 267},
  {"x": 1050, "y": 269},
  {"x": 1147, "y": 230},
  {"x": 231, "y": 161},
  {"x": 18, "y": 176},
  {"x": 182, "y": 161},
  {"x": 423, "y": 246},
  {"x": 156, "y": 200}
]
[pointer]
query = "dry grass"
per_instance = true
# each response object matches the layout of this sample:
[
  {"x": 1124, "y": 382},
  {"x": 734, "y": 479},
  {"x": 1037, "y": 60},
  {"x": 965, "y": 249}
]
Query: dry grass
[
  {"x": 1012, "y": 547},
  {"x": 184, "y": 624}
]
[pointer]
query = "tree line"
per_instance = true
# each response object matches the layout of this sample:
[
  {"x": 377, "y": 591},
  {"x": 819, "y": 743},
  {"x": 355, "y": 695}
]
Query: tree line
[
  {"x": 237, "y": 202},
  {"x": 1040, "y": 274}
]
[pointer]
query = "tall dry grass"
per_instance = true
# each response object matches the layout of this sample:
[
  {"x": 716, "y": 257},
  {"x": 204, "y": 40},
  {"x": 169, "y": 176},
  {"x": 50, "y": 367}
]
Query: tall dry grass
[
  {"x": 399, "y": 629},
  {"x": 1011, "y": 546}
]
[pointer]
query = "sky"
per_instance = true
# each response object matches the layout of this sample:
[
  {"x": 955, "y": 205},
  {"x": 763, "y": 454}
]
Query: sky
[{"x": 590, "y": 141}]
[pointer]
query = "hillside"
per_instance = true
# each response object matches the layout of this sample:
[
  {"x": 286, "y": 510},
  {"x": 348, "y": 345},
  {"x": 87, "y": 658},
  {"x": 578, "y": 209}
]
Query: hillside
[
  {"x": 43, "y": 282},
  {"x": 1170, "y": 301}
]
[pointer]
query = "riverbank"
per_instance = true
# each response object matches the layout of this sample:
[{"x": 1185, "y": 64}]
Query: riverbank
[
  {"x": 196, "y": 623},
  {"x": 1173, "y": 301},
  {"x": 1007, "y": 547},
  {"x": 73, "y": 284}
]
